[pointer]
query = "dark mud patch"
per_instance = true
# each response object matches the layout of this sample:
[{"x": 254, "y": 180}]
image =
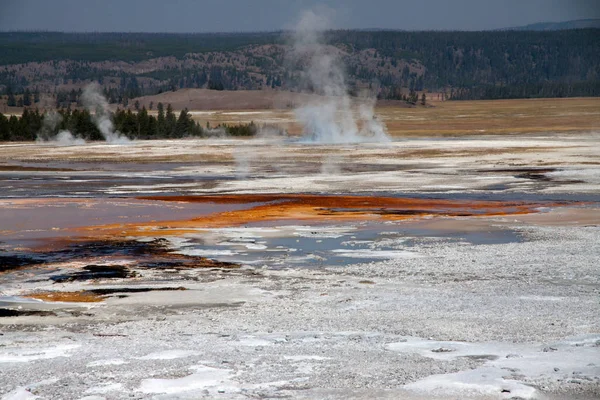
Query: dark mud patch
[
  {"x": 154, "y": 254},
  {"x": 91, "y": 272},
  {"x": 532, "y": 174},
  {"x": 15, "y": 261},
  {"x": 537, "y": 174},
  {"x": 119, "y": 290},
  {"x": 130, "y": 257},
  {"x": 482, "y": 357},
  {"x": 101, "y": 248},
  {"x": 193, "y": 263},
  {"x": 6, "y": 312}
]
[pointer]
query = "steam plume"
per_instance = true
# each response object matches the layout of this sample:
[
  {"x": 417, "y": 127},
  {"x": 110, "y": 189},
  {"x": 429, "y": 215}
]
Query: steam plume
[
  {"x": 97, "y": 104},
  {"x": 51, "y": 120},
  {"x": 330, "y": 119},
  {"x": 332, "y": 165},
  {"x": 64, "y": 138},
  {"x": 243, "y": 159}
]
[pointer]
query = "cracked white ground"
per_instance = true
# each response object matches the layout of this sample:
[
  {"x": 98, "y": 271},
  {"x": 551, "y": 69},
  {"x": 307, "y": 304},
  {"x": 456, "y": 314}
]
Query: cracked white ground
[{"x": 447, "y": 316}]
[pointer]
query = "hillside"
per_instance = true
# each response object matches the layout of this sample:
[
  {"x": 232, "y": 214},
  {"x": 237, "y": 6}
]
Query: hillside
[
  {"x": 557, "y": 26},
  {"x": 463, "y": 65},
  {"x": 205, "y": 99}
]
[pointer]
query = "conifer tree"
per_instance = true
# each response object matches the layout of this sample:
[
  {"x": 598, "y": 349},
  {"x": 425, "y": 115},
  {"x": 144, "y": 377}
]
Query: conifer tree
[{"x": 170, "y": 122}]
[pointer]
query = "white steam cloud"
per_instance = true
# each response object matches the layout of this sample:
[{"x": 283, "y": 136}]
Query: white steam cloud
[
  {"x": 332, "y": 165},
  {"x": 64, "y": 138},
  {"x": 97, "y": 104},
  {"x": 243, "y": 159},
  {"x": 332, "y": 118},
  {"x": 51, "y": 120}
]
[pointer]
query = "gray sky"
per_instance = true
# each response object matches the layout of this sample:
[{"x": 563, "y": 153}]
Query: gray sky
[{"x": 261, "y": 15}]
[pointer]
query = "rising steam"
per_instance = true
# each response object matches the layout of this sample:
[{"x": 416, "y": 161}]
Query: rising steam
[
  {"x": 97, "y": 104},
  {"x": 64, "y": 138},
  {"x": 330, "y": 119}
]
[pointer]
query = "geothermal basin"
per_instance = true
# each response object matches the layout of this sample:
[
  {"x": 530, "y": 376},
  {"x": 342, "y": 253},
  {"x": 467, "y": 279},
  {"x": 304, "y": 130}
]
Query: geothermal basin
[{"x": 462, "y": 267}]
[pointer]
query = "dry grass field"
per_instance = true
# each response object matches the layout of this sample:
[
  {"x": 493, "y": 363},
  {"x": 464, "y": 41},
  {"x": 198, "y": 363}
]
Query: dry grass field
[
  {"x": 451, "y": 118},
  {"x": 496, "y": 117}
]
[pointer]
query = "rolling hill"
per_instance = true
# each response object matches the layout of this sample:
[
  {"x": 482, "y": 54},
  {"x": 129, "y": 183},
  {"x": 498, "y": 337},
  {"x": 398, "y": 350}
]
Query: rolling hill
[
  {"x": 462, "y": 65},
  {"x": 558, "y": 26}
]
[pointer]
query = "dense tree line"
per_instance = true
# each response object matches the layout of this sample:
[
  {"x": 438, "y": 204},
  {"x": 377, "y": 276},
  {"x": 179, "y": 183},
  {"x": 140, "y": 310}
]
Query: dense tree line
[
  {"x": 475, "y": 65},
  {"x": 525, "y": 91},
  {"x": 464, "y": 59},
  {"x": 135, "y": 125},
  {"x": 22, "y": 47}
]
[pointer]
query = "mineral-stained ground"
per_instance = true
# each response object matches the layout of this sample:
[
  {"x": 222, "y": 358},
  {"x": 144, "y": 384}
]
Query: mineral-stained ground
[{"x": 424, "y": 268}]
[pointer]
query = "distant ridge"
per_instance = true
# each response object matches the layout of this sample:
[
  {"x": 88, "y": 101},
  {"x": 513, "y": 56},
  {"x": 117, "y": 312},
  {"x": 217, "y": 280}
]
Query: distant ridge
[
  {"x": 392, "y": 64},
  {"x": 558, "y": 26}
]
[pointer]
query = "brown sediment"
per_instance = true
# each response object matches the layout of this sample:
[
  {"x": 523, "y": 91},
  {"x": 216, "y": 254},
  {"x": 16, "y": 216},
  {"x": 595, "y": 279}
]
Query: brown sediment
[
  {"x": 433, "y": 153},
  {"x": 21, "y": 168},
  {"x": 189, "y": 262},
  {"x": 82, "y": 296},
  {"x": 318, "y": 208},
  {"x": 121, "y": 258},
  {"x": 94, "y": 295}
]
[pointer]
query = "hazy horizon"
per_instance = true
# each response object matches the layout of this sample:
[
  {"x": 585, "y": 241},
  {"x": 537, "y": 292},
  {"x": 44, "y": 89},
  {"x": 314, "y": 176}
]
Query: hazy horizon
[
  {"x": 214, "y": 16},
  {"x": 276, "y": 30}
]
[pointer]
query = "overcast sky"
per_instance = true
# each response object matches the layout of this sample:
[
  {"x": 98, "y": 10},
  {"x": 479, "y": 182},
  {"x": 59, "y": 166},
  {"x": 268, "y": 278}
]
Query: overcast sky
[{"x": 262, "y": 15}]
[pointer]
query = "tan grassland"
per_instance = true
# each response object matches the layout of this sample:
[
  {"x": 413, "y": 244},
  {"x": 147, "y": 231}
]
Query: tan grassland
[{"x": 451, "y": 118}]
